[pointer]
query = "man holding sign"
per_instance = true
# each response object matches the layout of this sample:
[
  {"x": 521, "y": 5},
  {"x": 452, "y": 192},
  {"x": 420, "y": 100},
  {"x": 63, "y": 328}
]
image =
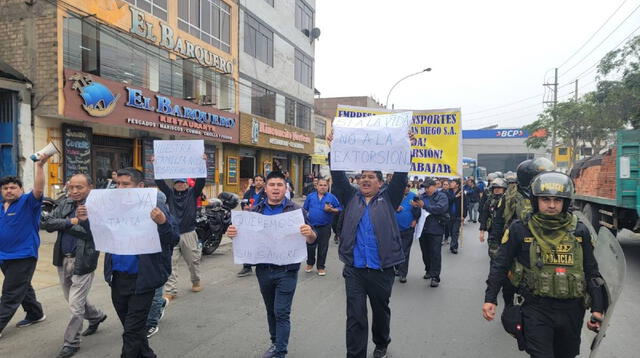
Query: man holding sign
[
  {"x": 134, "y": 278},
  {"x": 370, "y": 241},
  {"x": 277, "y": 282}
]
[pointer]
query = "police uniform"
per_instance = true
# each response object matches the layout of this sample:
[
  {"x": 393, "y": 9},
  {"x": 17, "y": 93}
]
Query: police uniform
[
  {"x": 550, "y": 260},
  {"x": 492, "y": 217}
]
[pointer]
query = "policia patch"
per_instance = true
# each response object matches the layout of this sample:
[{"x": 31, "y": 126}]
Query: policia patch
[{"x": 557, "y": 258}]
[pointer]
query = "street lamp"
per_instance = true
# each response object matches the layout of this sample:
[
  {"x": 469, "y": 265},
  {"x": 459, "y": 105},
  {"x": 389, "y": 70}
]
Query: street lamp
[{"x": 386, "y": 103}]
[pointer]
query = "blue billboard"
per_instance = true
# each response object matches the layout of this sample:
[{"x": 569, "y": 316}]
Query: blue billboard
[{"x": 495, "y": 133}]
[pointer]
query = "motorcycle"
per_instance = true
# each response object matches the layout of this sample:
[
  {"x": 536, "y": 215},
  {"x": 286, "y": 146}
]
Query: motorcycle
[{"x": 213, "y": 220}]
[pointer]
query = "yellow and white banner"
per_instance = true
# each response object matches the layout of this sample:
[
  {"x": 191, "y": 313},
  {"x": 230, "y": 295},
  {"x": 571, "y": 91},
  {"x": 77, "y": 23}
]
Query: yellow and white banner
[{"x": 437, "y": 151}]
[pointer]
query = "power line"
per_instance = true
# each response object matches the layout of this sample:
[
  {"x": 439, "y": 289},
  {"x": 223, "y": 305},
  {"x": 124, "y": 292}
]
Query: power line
[
  {"x": 504, "y": 105},
  {"x": 601, "y": 42},
  {"x": 503, "y": 113},
  {"x": 594, "y": 34}
]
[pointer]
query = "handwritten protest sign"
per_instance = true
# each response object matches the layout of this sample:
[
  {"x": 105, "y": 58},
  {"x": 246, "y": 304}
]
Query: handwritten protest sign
[
  {"x": 437, "y": 150},
  {"x": 268, "y": 239},
  {"x": 372, "y": 143},
  {"x": 121, "y": 222},
  {"x": 179, "y": 159}
]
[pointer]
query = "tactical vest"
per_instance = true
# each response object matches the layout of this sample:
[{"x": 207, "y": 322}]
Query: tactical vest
[
  {"x": 495, "y": 202},
  {"x": 556, "y": 274}
]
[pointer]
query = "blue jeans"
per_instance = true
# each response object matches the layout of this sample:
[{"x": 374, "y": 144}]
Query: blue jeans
[
  {"x": 278, "y": 286},
  {"x": 156, "y": 308}
]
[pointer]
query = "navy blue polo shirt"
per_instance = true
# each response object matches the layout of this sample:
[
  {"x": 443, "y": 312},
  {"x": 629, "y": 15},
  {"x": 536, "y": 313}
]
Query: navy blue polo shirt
[
  {"x": 257, "y": 198},
  {"x": 274, "y": 209},
  {"x": 315, "y": 207},
  {"x": 19, "y": 225}
]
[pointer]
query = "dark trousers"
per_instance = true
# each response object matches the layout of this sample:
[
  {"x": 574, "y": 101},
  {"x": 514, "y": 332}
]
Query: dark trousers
[
  {"x": 321, "y": 244},
  {"x": 133, "y": 310},
  {"x": 552, "y": 328},
  {"x": 431, "y": 247},
  {"x": 455, "y": 232},
  {"x": 406, "y": 237},
  {"x": 278, "y": 285},
  {"x": 360, "y": 284},
  {"x": 17, "y": 290}
]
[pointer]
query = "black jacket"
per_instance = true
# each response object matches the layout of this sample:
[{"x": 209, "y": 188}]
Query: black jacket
[
  {"x": 86, "y": 254},
  {"x": 457, "y": 206},
  {"x": 182, "y": 204},
  {"x": 249, "y": 193},
  {"x": 516, "y": 249},
  {"x": 153, "y": 269},
  {"x": 437, "y": 206},
  {"x": 382, "y": 209}
]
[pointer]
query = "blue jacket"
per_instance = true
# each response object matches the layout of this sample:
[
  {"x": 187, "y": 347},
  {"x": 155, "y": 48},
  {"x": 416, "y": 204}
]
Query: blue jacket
[
  {"x": 289, "y": 205},
  {"x": 382, "y": 211},
  {"x": 153, "y": 269},
  {"x": 437, "y": 206}
]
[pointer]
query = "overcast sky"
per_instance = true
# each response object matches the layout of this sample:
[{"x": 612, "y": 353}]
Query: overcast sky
[{"x": 484, "y": 54}]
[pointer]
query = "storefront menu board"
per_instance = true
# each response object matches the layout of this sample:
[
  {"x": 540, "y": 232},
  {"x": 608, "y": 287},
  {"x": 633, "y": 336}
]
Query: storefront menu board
[
  {"x": 232, "y": 170},
  {"x": 210, "y": 151},
  {"x": 76, "y": 150}
]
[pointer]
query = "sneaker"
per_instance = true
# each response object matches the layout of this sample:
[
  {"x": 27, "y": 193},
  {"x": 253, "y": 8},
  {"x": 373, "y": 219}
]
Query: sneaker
[
  {"x": 169, "y": 297},
  {"x": 93, "y": 327},
  {"x": 380, "y": 352},
  {"x": 403, "y": 279},
  {"x": 270, "y": 353},
  {"x": 164, "y": 306},
  {"x": 435, "y": 282},
  {"x": 308, "y": 268},
  {"x": 26, "y": 322},
  {"x": 426, "y": 276},
  {"x": 454, "y": 251},
  {"x": 151, "y": 331},
  {"x": 67, "y": 352},
  {"x": 196, "y": 287},
  {"x": 322, "y": 272},
  {"x": 246, "y": 271}
]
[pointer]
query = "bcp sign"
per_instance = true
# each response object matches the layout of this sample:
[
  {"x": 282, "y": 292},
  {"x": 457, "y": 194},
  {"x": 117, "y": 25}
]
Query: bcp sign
[{"x": 506, "y": 133}]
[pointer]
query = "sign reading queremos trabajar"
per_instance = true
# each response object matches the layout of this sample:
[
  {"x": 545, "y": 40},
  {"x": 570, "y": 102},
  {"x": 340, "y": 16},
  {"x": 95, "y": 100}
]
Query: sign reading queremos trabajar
[{"x": 99, "y": 100}]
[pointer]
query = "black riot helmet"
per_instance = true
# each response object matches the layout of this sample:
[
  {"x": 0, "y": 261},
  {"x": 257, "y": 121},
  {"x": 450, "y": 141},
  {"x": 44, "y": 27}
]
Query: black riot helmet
[
  {"x": 553, "y": 184},
  {"x": 529, "y": 168}
]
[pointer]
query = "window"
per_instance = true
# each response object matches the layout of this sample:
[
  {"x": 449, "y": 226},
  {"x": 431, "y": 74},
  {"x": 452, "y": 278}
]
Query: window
[
  {"x": 208, "y": 20},
  {"x": 258, "y": 40},
  {"x": 90, "y": 47},
  {"x": 289, "y": 111},
  {"x": 319, "y": 128},
  {"x": 303, "y": 116},
  {"x": 586, "y": 151},
  {"x": 304, "y": 69},
  {"x": 263, "y": 102},
  {"x": 304, "y": 18},
  {"x": 156, "y": 7},
  {"x": 562, "y": 151}
]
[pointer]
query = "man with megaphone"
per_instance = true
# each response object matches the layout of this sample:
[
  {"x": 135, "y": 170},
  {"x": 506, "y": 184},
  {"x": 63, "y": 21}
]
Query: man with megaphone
[{"x": 19, "y": 243}]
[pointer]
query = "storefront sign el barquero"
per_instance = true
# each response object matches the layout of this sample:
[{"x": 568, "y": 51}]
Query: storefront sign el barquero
[{"x": 100, "y": 100}]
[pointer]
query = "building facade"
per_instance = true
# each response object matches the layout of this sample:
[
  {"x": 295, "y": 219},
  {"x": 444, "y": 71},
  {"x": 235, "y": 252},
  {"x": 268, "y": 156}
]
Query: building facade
[
  {"x": 110, "y": 76},
  {"x": 327, "y": 106},
  {"x": 276, "y": 89},
  {"x": 498, "y": 149}
]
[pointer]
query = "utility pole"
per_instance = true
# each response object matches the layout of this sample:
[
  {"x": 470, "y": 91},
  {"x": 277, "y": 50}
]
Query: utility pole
[
  {"x": 554, "y": 85},
  {"x": 575, "y": 93}
]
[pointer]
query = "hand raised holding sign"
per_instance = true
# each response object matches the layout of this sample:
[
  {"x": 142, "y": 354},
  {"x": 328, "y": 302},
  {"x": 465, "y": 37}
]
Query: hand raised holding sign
[
  {"x": 232, "y": 231},
  {"x": 158, "y": 216}
]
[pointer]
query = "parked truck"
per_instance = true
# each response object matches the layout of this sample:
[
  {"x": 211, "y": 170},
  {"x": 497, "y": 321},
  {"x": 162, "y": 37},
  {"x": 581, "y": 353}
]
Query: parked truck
[{"x": 608, "y": 185}]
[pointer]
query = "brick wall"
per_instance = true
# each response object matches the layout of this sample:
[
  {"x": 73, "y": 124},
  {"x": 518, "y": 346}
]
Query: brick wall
[
  {"x": 28, "y": 39},
  {"x": 599, "y": 180}
]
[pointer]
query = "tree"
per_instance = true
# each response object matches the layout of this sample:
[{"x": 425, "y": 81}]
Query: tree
[{"x": 621, "y": 97}]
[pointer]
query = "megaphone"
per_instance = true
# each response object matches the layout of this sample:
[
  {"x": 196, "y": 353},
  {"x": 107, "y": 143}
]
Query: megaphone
[{"x": 47, "y": 151}]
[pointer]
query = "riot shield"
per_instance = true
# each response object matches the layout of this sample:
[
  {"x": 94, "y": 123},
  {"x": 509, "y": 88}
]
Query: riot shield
[{"x": 613, "y": 268}]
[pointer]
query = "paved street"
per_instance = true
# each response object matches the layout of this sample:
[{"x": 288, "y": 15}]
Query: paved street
[{"x": 227, "y": 319}]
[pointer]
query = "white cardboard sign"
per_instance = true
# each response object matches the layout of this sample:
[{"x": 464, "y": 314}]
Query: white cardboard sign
[
  {"x": 372, "y": 143},
  {"x": 268, "y": 239},
  {"x": 121, "y": 222},
  {"x": 179, "y": 159}
]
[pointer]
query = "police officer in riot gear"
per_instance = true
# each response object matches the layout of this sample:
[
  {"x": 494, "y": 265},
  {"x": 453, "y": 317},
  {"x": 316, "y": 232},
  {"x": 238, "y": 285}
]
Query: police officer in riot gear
[
  {"x": 486, "y": 194},
  {"x": 499, "y": 174},
  {"x": 551, "y": 262},
  {"x": 530, "y": 168},
  {"x": 491, "y": 216}
]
